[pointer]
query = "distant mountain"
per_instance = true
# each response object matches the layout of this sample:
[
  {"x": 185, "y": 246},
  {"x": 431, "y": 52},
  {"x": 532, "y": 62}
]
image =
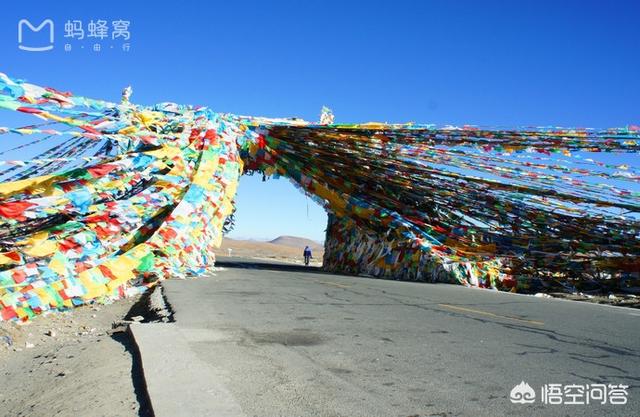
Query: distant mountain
[
  {"x": 283, "y": 248},
  {"x": 296, "y": 242}
]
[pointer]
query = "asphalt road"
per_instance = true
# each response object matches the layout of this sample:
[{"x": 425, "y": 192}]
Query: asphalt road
[{"x": 290, "y": 341}]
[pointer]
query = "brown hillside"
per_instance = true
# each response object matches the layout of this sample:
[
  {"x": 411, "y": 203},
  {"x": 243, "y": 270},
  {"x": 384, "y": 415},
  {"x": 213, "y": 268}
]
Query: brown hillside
[{"x": 290, "y": 252}]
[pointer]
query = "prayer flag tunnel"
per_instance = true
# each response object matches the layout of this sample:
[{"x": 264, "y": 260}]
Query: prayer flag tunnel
[{"x": 119, "y": 196}]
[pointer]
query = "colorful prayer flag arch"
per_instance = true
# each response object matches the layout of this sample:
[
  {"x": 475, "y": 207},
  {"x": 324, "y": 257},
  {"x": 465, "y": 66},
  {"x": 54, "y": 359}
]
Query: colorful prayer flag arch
[{"x": 121, "y": 196}]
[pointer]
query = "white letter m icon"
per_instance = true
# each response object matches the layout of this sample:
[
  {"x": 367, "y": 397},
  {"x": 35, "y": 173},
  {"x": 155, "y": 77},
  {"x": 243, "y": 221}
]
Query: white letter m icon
[{"x": 25, "y": 22}]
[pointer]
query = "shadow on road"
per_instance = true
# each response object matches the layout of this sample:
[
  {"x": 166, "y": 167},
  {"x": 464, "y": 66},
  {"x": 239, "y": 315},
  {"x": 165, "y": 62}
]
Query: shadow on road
[
  {"x": 137, "y": 376},
  {"x": 266, "y": 265}
]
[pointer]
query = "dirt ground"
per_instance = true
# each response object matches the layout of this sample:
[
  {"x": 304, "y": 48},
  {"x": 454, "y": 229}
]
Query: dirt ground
[{"x": 71, "y": 364}]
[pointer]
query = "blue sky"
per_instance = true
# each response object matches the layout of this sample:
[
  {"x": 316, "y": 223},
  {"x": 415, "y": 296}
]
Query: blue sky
[{"x": 482, "y": 62}]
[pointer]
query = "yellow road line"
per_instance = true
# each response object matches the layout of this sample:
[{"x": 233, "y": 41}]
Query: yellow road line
[
  {"x": 334, "y": 284},
  {"x": 489, "y": 314}
]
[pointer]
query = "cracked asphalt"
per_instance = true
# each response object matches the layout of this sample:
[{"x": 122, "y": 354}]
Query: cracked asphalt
[{"x": 288, "y": 340}]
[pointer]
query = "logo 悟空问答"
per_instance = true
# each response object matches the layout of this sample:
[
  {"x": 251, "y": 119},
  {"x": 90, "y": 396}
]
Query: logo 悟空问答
[
  {"x": 45, "y": 44},
  {"x": 522, "y": 394}
]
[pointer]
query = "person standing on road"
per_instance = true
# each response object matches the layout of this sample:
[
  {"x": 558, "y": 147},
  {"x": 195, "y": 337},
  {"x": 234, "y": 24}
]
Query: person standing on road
[{"x": 307, "y": 255}]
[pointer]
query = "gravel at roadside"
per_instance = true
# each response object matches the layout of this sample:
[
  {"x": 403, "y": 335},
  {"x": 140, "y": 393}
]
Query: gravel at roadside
[{"x": 73, "y": 363}]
